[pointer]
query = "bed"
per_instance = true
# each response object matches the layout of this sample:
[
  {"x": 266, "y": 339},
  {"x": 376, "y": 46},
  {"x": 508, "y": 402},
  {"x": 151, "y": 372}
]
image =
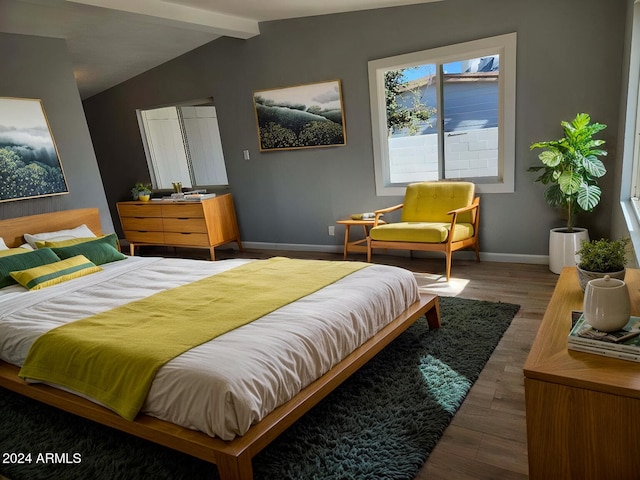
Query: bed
[{"x": 230, "y": 445}]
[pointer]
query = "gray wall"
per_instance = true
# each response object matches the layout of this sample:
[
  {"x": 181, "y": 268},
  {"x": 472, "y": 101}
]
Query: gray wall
[
  {"x": 37, "y": 67},
  {"x": 570, "y": 56}
]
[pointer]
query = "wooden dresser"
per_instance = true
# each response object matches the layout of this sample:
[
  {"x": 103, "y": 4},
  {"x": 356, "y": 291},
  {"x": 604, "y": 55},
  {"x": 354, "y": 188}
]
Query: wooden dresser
[
  {"x": 198, "y": 224},
  {"x": 582, "y": 409}
]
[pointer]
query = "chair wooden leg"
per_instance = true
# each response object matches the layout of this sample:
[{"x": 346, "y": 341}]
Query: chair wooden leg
[
  {"x": 369, "y": 249},
  {"x": 477, "y": 249},
  {"x": 449, "y": 255}
]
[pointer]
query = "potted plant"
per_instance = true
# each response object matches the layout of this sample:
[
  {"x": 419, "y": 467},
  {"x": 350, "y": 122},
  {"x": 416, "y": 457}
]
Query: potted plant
[
  {"x": 141, "y": 191},
  {"x": 571, "y": 170},
  {"x": 602, "y": 257}
]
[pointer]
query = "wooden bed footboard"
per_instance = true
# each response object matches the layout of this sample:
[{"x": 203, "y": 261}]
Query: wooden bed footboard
[{"x": 233, "y": 458}]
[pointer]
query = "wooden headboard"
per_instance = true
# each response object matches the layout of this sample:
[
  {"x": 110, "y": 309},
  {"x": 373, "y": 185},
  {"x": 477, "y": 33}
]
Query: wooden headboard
[{"x": 12, "y": 229}]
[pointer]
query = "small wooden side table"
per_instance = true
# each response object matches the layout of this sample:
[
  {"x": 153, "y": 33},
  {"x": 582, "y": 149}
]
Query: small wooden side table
[
  {"x": 582, "y": 409},
  {"x": 356, "y": 245}
]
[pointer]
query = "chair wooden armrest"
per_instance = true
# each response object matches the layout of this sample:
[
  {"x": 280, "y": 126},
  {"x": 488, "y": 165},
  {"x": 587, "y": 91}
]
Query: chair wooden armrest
[
  {"x": 454, "y": 219},
  {"x": 389, "y": 209},
  {"x": 382, "y": 211},
  {"x": 474, "y": 206}
]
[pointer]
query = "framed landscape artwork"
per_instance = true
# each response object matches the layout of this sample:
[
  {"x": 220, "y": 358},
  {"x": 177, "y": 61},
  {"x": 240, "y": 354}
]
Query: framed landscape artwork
[
  {"x": 305, "y": 116},
  {"x": 29, "y": 162}
]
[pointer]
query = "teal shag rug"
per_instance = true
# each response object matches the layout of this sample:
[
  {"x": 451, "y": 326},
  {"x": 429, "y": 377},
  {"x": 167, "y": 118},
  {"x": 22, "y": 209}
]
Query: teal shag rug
[{"x": 382, "y": 423}]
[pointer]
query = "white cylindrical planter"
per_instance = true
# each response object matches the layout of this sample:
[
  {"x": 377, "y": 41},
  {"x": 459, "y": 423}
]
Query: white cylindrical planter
[{"x": 563, "y": 246}]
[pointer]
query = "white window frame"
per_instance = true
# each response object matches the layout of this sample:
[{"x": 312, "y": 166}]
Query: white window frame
[
  {"x": 505, "y": 46},
  {"x": 630, "y": 175}
]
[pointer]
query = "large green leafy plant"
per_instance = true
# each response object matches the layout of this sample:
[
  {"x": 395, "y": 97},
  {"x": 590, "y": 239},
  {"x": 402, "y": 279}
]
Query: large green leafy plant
[{"x": 571, "y": 167}]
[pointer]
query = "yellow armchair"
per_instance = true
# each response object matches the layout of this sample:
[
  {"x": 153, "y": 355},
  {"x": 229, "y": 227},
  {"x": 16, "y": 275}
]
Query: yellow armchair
[{"x": 436, "y": 216}]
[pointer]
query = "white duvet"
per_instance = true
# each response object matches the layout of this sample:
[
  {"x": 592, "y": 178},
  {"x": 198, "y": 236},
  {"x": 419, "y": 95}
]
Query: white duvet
[{"x": 224, "y": 386}]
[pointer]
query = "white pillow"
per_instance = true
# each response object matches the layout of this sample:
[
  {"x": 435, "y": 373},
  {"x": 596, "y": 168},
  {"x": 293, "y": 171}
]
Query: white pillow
[
  {"x": 3, "y": 246},
  {"x": 79, "y": 232}
]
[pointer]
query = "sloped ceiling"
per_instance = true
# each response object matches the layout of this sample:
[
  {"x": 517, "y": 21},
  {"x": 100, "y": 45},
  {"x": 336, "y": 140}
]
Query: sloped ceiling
[{"x": 110, "y": 41}]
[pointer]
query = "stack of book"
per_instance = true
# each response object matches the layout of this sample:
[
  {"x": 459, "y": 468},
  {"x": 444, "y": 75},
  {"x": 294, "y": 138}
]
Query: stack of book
[
  {"x": 363, "y": 216},
  {"x": 623, "y": 343}
]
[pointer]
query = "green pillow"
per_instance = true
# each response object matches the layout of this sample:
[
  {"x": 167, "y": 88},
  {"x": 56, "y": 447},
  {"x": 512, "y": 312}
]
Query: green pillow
[
  {"x": 99, "y": 251},
  {"x": 53, "y": 273},
  {"x": 12, "y": 263}
]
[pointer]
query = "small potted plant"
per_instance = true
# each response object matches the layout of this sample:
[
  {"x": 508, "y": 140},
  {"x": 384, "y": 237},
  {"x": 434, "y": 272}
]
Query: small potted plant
[
  {"x": 141, "y": 191},
  {"x": 598, "y": 258}
]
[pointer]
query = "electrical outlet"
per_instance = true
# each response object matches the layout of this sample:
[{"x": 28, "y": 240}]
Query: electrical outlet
[
  {"x": 245, "y": 154},
  {"x": 332, "y": 230}
]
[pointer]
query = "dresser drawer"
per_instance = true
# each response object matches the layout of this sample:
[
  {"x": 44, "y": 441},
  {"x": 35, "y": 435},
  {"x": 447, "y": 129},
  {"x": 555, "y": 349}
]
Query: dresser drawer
[
  {"x": 139, "y": 210},
  {"x": 144, "y": 237},
  {"x": 153, "y": 224},
  {"x": 188, "y": 225},
  {"x": 183, "y": 210},
  {"x": 192, "y": 239}
]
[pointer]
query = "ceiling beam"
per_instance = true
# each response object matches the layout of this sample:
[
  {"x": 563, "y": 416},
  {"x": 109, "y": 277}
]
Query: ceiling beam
[{"x": 182, "y": 16}]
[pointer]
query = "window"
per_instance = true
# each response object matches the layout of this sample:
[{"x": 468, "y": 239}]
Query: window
[
  {"x": 445, "y": 113},
  {"x": 183, "y": 145},
  {"x": 630, "y": 174},
  {"x": 632, "y": 133}
]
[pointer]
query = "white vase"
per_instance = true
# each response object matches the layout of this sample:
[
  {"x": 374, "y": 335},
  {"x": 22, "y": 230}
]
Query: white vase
[
  {"x": 606, "y": 304},
  {"x": 563, "y": 246}
]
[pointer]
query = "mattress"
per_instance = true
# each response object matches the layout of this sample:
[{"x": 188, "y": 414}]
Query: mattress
[{"x": 224, "y": 386}]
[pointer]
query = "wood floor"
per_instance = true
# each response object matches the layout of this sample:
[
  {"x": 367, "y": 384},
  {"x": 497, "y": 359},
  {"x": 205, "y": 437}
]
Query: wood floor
[{"x": 487, "y": 437}]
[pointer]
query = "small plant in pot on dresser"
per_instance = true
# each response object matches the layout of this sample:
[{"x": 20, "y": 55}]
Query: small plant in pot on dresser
[
  {"x": 598, "y": 258},
  {"x": 141, "y": 191}
]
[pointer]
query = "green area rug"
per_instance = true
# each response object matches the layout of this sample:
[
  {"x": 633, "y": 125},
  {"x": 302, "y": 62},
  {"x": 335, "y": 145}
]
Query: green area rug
[{"x": 382, "y": 423}]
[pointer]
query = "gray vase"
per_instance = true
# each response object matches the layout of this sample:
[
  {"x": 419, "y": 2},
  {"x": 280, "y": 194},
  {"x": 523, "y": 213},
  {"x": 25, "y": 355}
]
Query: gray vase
[{"x": 585, "y": 275}]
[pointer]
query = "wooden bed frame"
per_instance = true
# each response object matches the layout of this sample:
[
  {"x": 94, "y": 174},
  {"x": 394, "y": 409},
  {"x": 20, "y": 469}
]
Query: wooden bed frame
[{"x": 233, "y": 458}]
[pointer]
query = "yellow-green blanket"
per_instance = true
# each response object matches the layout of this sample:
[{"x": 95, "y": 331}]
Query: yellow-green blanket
[{"x": 114, "y": 356}]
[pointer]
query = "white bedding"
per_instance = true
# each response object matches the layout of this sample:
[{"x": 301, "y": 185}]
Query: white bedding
[{"x": 224, "y": 386}]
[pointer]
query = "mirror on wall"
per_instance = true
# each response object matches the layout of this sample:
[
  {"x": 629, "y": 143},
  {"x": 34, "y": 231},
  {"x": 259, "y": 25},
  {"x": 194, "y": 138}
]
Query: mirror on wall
[{"x": 182, "y": 144}]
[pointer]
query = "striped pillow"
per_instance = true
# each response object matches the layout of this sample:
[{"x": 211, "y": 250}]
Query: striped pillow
[{"x": 46, "y": 275}]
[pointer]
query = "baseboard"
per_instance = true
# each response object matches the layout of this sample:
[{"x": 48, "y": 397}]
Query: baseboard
[
  {"x": 466, "y": 254},
  {"x": 296, "y": 247},
  {"x": 513, "y": 258}
]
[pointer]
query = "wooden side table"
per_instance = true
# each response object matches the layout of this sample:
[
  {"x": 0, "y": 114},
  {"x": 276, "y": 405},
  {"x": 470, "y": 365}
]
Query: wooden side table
[
  {"x": 582, "y": 409},
  {"x": 356, "y": 245}
]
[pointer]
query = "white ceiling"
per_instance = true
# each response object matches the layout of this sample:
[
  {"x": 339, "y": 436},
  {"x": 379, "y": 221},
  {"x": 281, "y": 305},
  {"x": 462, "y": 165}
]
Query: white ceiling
[{"x": 110, "y": 41}]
